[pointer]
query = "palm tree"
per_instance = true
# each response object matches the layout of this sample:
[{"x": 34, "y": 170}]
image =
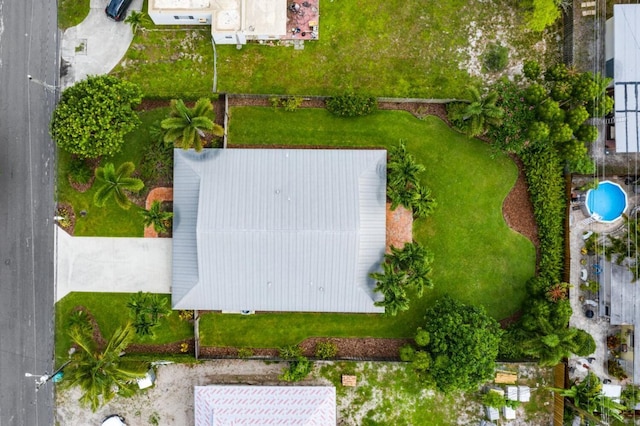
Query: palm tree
[
  {"x": 157, "y": 307},
  {"x": 136, "y": 20},
  {"x": 422, "y": 202},
  {"x": 478, "y": 114},
  {"x": 391, "y": 285},
  {"x": 156, "y": 217},
  {"x": 114, "y": 183},
  {"x": 102, "y": 373},
  {"x": 415, "y": 262},
  {"x": 588, "y": 399},
  {"x": 402, "y": 176},
  {"x": 187, "y": 126},
  {"x": 551, "y": 344}
]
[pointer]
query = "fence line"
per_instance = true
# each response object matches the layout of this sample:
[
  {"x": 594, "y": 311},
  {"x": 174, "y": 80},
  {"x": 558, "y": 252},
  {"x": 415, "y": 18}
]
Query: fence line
[
  {"x": 196, "y": 333},
  {"x": 323, "y": 98}
]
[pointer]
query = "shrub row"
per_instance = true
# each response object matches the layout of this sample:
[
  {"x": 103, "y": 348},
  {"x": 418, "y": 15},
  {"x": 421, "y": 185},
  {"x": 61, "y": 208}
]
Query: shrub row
[{"x": 544, "y": 172}]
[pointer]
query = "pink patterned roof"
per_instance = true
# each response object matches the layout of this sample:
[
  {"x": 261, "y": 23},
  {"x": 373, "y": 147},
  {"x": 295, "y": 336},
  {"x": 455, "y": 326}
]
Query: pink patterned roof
[{"x": 265, "y": 405}]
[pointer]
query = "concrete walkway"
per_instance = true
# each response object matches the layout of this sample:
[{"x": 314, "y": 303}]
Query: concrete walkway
[
  {"x": 119, "y": 265},
  {"x": 96, "y": 45}
]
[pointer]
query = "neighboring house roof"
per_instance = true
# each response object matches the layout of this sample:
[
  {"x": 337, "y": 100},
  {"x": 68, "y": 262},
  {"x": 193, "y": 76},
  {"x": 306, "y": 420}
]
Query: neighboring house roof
[
  {"x": 264, "y": 405},
  {"x": 624, "y": 296},
  {"x": 255, "y": 19},
  {"x": 626, "y": 75},
  {"x": 278, "y": 229}
]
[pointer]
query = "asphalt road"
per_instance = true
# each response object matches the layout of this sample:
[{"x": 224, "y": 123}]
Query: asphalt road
[{"x": 28, "y": 45}]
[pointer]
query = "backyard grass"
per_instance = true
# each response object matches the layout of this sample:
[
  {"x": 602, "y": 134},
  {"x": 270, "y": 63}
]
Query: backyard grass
[
  {"x": 389, "y": 394},
  {"x": 110, "y": 220},
  {"x": 110, "y": 312},
  {"x": 477, "y": 258},
  {"x": 393, "y": 48}
]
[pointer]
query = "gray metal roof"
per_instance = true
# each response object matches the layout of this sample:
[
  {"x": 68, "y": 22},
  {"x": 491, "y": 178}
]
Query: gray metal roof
[
  {"x": 626, "y": 72},
  {"x": 278, "y": 230},
  {"x": 625, "y": 303}
]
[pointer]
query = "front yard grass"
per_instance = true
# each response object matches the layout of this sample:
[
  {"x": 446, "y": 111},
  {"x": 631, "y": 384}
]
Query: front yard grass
[
  {"x": 110, "y": 220},
  {"x": 71, "y": 12},
  {"x": 477, "y": 258},
  {"x": 110, "y": 312},
  {"x": 393, "y": 48}
]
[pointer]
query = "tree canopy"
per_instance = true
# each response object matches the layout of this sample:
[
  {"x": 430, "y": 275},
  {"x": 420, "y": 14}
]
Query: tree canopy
[
  {"x": 461, "y": 347},
  {"x": 557, "y": 106},
  {"x": 101, "y": 373},
  {"x": 94, "y": 115}
]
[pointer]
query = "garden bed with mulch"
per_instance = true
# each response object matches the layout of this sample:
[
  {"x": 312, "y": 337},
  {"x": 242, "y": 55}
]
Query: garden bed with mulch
[
  {"x": 68, "y": 221},
  {"x": 348, "y": 348}
]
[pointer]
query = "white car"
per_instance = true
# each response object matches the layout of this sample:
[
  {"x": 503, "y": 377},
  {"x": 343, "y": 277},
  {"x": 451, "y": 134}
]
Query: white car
[{"x": 113, "y": 420}]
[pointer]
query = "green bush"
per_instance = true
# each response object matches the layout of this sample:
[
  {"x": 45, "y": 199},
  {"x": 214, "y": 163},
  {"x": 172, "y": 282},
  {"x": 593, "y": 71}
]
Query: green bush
[
  {"x": 79, "y": 170},
  {"x": 94, "y": 115},
  {"x": 544, "y": 172},
  {"x": 245, "y": 353},
  {"x": 289, "y": 103},
  {"x": 407, "y": 353},
  {"x": 298, "y": 370},
  {"x": 326, "y": 350},
  {"x": 157, "y": 162},
  {"x": 351, "y": 105},
  {"x": 616, "y": 370},
  {"x": 495, "y": 57},
  {"x": 494, "y": 399},
  {"x": 585, "y": 343},
  {"x": 532, "y": 70},
  {"x": 290, "y": 352}
]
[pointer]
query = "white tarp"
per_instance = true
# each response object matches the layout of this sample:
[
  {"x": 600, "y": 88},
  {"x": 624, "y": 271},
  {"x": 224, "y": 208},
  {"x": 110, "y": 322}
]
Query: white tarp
[
  {"x": 264, "y": 405},
  {"x": 512, "y": 393},
  {"x": 509, "y": 413}
]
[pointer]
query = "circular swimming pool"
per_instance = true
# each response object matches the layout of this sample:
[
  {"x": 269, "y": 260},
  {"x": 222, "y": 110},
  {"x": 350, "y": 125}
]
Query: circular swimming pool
[{"x": 607, "y": 202}]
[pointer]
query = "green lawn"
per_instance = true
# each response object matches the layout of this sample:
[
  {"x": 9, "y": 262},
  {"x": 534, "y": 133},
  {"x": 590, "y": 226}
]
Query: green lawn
[
  {"x": 111, "y": 220},
  {"x": 387, "y": 48},
  {"x": 110, "y": 312},
  {"x": 72, "y": 12},
  {"x": 477, "y": 258}
]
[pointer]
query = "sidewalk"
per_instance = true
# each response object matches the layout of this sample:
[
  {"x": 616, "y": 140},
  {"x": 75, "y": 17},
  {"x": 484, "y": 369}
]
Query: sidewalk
[
  {"x": 96, "y": 45},
  {"x": 118, "y": 265}
]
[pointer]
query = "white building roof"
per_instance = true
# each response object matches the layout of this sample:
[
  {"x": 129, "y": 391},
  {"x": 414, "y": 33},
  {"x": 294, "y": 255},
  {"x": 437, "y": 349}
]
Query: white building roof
[
  {"x": 626, "y": 75},
  {"x": 264, "y": 405},
  {"x": 278, "y": 229}
]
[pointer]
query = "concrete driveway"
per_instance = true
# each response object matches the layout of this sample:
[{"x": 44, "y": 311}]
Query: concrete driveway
[
  {"x": 96, "y": 45},
  {"x": 119, "y": 265}
]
